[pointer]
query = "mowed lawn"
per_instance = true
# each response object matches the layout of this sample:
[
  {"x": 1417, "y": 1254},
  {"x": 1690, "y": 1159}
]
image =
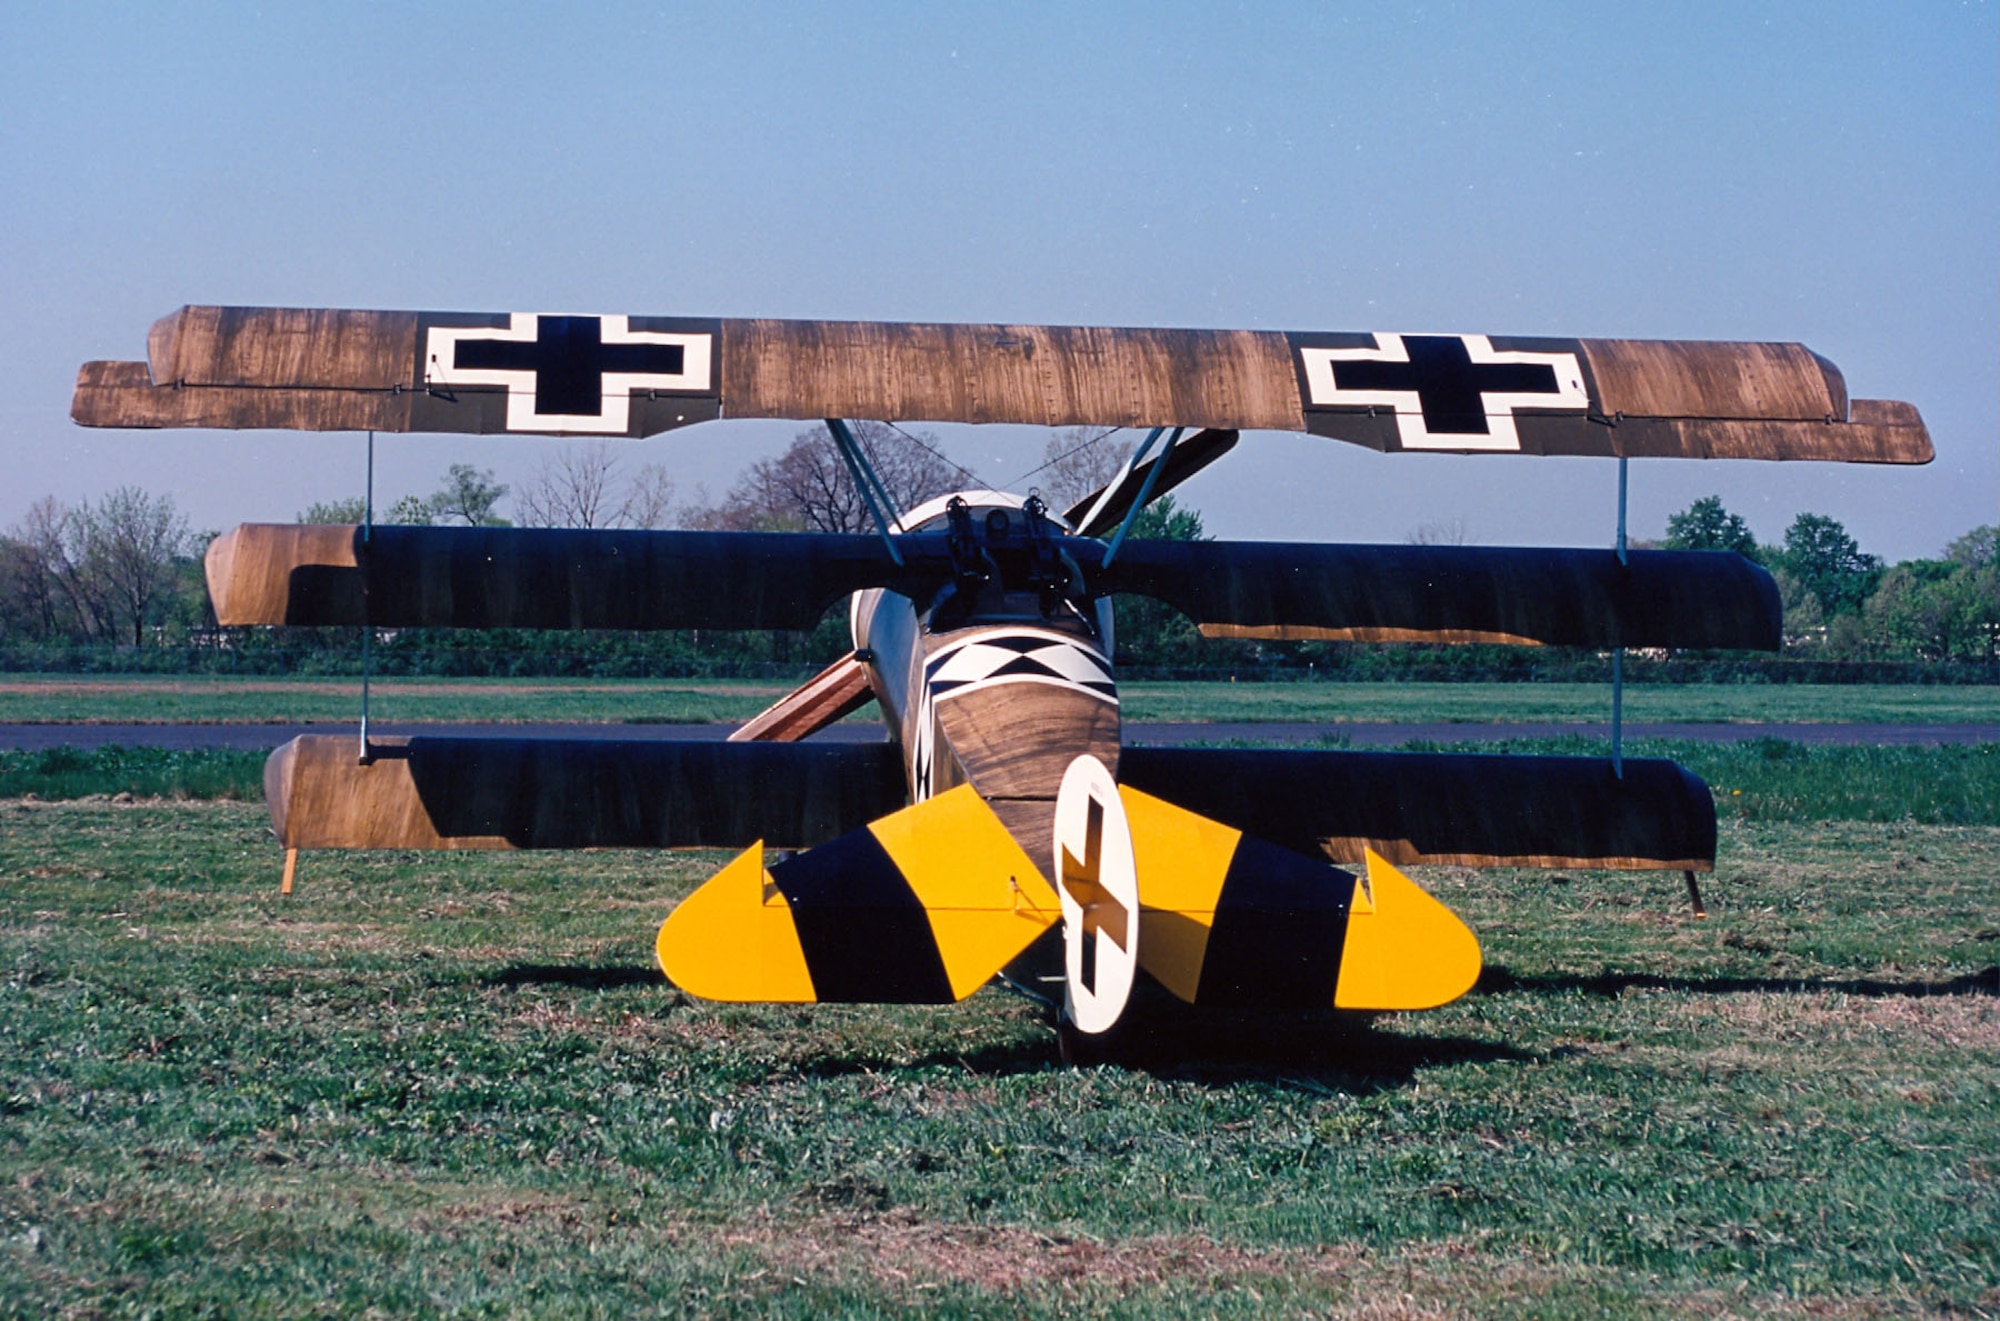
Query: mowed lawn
[
  {"x": 133, "y": 699},
  {"x": 454, "y": 1084}
]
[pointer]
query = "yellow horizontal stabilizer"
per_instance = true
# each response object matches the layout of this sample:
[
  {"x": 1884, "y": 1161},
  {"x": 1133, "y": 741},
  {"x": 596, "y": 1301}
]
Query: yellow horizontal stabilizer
[
  {"x": 1404, "y": 949},
  {"x": 1182, "y": 859},
  {"x": 985, "y": 898},
  {"x": 734, "y": 939},
  {"x": 921, "y": 906}
]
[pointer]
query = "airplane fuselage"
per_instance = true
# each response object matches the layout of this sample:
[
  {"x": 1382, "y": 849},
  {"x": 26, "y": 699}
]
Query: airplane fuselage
[{"x": 999, "y": 683}]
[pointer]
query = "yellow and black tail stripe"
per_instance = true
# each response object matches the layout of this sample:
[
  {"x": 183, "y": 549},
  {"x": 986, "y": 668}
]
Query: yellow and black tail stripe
[
  {"x": 1230, "y": 921},
  {"x": 922, "y": 906}
]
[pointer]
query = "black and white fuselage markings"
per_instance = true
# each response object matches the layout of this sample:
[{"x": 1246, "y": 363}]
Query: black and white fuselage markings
[
  {"x": 1449, "y": 392},
  {"x": 568, "y": 373},
  {"x": 991, "y": 657}
]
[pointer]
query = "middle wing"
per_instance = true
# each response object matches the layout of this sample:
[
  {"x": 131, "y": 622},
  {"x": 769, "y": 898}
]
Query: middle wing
[{"x": 564, "y": 578}]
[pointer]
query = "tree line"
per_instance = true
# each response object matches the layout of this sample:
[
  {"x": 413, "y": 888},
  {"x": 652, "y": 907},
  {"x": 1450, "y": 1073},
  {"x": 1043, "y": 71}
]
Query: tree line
[
  {"x": 116, "y": 582},
  {"x": 1842, "y": 603}
]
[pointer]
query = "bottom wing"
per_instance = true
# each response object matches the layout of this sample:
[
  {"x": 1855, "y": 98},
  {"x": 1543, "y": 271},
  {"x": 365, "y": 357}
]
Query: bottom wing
[
  {"x": 1474, "y": 810},
  {"x": 459, "y": 793}
]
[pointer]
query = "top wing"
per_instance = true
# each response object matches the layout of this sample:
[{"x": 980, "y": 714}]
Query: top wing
[{"x": 533, "y": 373}]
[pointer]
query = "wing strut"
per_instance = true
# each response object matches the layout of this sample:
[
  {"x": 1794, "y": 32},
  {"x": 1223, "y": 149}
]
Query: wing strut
[
  {"x": 880, "y": 507},
  {"x": 1618, "y": 652}
]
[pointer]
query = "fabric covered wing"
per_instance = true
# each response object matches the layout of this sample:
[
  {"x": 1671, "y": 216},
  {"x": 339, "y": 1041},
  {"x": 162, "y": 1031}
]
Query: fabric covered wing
[
  {"x": 1474, "y": 810},
  {"x": 429, "y": 793},
  {"x": 1457, "y": 593},
  {"x": 546, "y": 577},
  {"x": 619, "y": 375}
]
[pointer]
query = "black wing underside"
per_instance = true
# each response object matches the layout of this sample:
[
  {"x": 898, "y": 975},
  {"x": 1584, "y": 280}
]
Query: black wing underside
[
  {"x": 563, "y": 578},
  {"x": 1475, "y": 810},
  {"x": 426, "y": 792}
]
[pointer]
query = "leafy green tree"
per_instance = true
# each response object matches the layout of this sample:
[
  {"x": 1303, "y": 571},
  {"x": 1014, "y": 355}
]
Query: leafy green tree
[
  {"x": 1829, "y": 563},
  {"x": 1149, "y": 632},
  {"x": 469, "y": 495},
  {"x": 1706, "y": 525},
  {"x": 1805, "y": 622},
  {"x": 1975, "y": 548},
  {"x": 411, "y": 511},
  {"x": 351, "y": 510}
]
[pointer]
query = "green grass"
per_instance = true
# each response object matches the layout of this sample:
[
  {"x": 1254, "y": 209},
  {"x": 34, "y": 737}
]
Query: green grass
[
  {"x": 118, "y": 700},
  {"x": 452, "y": 1084},
  {"x": 66, "y": 772}
]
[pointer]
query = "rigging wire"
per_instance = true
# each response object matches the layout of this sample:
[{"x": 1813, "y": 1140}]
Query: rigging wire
[
  {"x": 1078, "y": 449},
  {"x": 935, "y": 453}
]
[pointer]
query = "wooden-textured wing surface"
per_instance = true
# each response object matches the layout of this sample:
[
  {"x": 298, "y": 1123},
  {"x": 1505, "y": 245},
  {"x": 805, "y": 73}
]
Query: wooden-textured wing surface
[
  {"x": 531, "y": 373},
  {"x": 563, "y": 578},
  {"x": 458, "y": 793}
]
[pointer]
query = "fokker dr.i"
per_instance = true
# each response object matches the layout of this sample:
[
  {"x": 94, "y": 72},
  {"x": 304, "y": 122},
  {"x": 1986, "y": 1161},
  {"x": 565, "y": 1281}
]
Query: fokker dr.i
[{"x": 1002, "y": 808}]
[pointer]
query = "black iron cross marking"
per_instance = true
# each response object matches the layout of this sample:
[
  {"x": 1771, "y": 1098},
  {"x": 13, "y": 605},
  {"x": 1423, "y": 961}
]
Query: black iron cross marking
[
  {"x": 1447, "y": 382},
  {"x": 1101, "y": 911},
  {"x": 569, "y": 359}
]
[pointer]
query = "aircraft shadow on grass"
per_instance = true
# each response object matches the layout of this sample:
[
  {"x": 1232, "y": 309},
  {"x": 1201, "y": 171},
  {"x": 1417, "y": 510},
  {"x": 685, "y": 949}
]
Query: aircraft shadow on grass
[{"x": 1310, "y": 1053}]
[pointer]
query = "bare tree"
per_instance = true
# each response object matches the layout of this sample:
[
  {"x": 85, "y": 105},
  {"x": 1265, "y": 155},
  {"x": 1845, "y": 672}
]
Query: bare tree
[
  {"x": 55, "y": 562},
  {"x": 1445, "y": 532},
  {"x": 1076, "y": 462},
  {"x": 36, "y": 553},
  {"x": 132, "y": 541},
  {"x": 581, "y": 486},
  {"x": 808, "y": 487},
  {"x": 96, "y": 571},
  {"x": 649, "y": 498}
]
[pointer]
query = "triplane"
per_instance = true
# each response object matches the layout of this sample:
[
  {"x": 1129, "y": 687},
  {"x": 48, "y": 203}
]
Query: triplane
[{"x": 1002, "y": 828}]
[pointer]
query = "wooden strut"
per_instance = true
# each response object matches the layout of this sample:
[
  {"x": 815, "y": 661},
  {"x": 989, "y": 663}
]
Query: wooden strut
[
  {"x": 291, "y": 870},
  {"x": 1694, "y": 895}
]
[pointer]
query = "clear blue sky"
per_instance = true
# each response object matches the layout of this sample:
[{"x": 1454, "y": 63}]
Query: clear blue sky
[{"x": 1816, "y": 171}]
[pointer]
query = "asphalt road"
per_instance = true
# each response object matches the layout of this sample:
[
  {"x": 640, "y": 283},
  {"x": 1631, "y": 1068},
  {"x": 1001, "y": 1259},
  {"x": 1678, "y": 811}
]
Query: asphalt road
[{"x": 36, "y": 736}]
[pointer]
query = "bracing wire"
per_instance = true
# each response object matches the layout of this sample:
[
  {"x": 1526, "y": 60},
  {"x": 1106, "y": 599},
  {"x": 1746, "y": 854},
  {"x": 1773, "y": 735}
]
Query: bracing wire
[
  {"x": 957, "y": 467},
  {"x": 1077, "y": 449}
]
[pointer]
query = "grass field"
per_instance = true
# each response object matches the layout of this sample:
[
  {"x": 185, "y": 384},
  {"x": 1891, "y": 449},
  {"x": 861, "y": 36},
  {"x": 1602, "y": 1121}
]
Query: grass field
[
  {"x": 121, "y": 700},
  {"x": 455, "y": 1085}
]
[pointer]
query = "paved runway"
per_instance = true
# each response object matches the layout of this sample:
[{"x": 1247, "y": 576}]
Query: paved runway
[{"x": 1356, "y": 734}]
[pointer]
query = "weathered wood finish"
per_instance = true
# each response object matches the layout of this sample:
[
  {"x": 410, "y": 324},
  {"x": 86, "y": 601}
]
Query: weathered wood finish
[
  {"x": 837, "y": 691},
  {"x": 120, "y": 394},
  {"x": 1045, "y": 375},
  {"x": 1013, "y": 741},
  {"x": 302, "y": 348},
  {"x": 1468, "y": 810},
  {"x": 1714, "y": 380},
  {"x": 568, "y": 578},
  {"x": 325, "y": 369},
  {"x": 251, "y": 569},
  {"x": 489, "y": 793}
]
